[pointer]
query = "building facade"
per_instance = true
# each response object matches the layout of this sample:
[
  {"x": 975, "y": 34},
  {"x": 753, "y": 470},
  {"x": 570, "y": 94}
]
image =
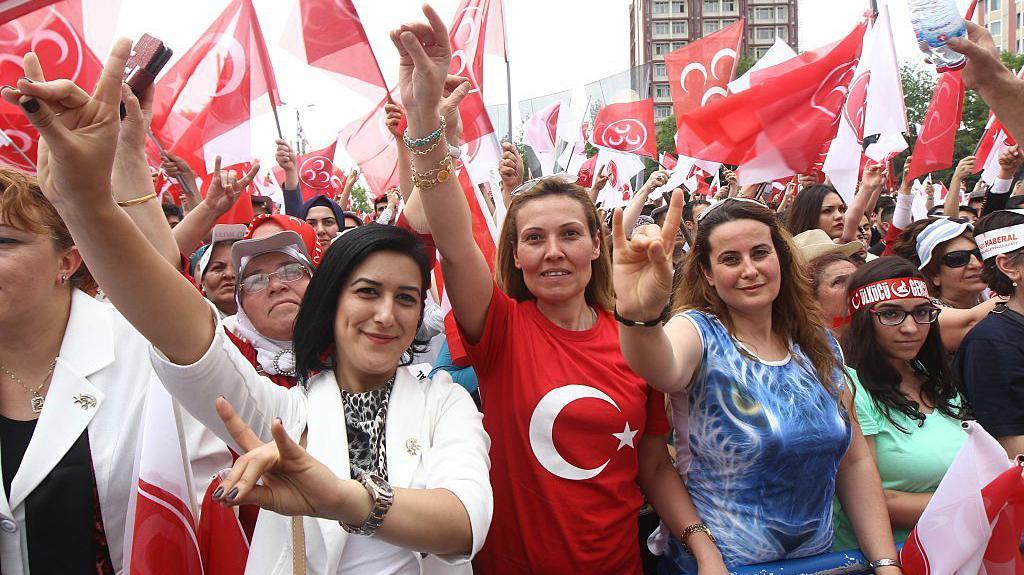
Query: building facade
[
  {"x": 658, "y": 27},
  {"x": 1004, "y": 20}
]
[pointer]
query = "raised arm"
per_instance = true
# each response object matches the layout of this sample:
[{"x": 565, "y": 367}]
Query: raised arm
[
  {"x": 225, "y": 188},
  {"x": 396, "y": 124},
  {"x": 951, "y": 207},
  {"x": 870, "y": 186},
  {"x": 287, "y": 161},
  {"x": 666, "y": 357},
  {"x": 510, "y": 168},
  {"x": 639, "y": 200},
  {"x": 344, "y": 198},
  {"x": 600, "y": 181},
  {"x": 179, "y": 169},
  {"x": 424, "y": 57},
  {"x": 994, "y": 82},
  {"x": 76, "y": 156}
]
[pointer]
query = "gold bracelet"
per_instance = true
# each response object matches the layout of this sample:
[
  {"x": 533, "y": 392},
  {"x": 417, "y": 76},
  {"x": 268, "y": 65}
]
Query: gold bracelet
[
  {"x": 695, "y": 528},
  {"x": 431, "y": 178},
  {"x": 137, "y": 201}
]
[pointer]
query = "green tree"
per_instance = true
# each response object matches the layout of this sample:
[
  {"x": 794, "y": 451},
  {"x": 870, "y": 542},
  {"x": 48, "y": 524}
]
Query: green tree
[
  {"x": 745, "y": 62},
  {"x": 360, "y": 199},
  {"x": 1012, "y": 61}
]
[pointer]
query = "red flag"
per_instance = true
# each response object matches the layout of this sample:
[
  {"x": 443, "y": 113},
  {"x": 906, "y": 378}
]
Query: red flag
[
  {"x": 777, "y": 127},
  {"x": 330, "y": 36},
  {"x": 317, "y": 174},
  {"x": 207, "y": 95},
  {"x": 11, "y": 9},
  {"x": 699, "y": 71},
  {"x": 55, "y": 34},
  {"x": 223, "y": 544},
  {"x": 241, "y": 212},
  {"x": 933, "y": 149},
  {"x": 585, "y": 176},
  {"x": 668, "y": 161},
  {"x": 372, "y": 146},
  {"x": 627, "y": 127}
]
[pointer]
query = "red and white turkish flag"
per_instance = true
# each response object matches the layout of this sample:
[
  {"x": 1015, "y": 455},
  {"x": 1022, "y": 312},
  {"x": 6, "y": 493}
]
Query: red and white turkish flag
[
  {"x": 933, "y": 149},
  {"x": 55, "y": 34},
  {"x": 668, "y": 161},
  {"x": 162, "y": 535},
  {"x": 585, "y": 175},
  {"x": 627, "y": 127},
  {"x": 203, "y": 104},
  {"x": 974, "y": 521},
  {"x": 329, "y": 35},
  {"x": 700, "y": 71},
  {"x": 777, "y": 127},
  {"x": 373, "y": 148},
  {"x": 992, "y": 143},
  {"x": 241, "y": 212}
]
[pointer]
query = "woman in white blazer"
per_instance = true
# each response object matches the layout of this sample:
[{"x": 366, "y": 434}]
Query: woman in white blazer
[{"x": 427, "y": 438}]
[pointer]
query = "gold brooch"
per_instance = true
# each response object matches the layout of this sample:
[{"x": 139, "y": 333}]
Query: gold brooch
[
  {"x": 85, "y": 401},
  {"x": 412, "y": 446}
]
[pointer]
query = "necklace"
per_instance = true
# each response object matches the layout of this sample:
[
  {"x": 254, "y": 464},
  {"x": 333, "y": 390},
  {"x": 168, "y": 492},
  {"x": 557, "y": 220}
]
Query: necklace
[{"x": 37, "y": 398}]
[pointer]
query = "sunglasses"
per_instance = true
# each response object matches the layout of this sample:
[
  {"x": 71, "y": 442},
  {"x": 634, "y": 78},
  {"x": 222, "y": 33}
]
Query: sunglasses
[
  {"x": 960, "y": 258},
  {"x": 714, "y": 207},
  {"x": 564, "y": 177},
  {"x": 894, "y": 316},
  {"x": 289, "y": 272}
]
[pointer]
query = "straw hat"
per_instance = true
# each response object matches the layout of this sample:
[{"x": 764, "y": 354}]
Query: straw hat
[{"x": 816, "y": 243}]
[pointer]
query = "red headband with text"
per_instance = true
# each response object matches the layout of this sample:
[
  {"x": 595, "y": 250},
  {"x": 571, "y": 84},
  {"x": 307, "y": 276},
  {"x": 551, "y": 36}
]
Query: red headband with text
[{"x": 887, "y": 290}]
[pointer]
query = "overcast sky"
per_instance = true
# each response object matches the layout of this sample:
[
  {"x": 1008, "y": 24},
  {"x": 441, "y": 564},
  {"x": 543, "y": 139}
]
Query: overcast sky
[{"x": 554, "y": 45}]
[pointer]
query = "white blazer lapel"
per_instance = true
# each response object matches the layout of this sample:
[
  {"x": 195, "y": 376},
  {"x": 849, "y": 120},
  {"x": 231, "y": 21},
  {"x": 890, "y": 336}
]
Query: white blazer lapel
[
  {"x": 72, "y": 400},
  {"x": 327, "y": 441},
  {"x": 404, "y": 431}
]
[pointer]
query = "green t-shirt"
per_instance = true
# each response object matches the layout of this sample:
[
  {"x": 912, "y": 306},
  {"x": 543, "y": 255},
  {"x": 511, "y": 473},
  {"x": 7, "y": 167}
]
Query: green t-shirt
[{"x": 912, "y": 462}]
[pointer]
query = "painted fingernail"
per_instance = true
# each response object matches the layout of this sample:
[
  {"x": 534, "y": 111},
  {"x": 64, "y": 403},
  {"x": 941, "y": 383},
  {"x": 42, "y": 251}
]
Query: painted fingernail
[
  {"x": 30, "y": 105},
  {"x": 218, "y": 492},
  {"x": 232, "y": 494}
]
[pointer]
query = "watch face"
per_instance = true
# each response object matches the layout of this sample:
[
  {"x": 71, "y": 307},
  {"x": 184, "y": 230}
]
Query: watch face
[{"x": 378, "y": 483}]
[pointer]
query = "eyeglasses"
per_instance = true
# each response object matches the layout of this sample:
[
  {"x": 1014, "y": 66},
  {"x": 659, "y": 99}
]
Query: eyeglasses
[
  {"x": 564, "y": 177},
  {"x": 960, "y": 258},
  {"x": 289, "y": 272},
  {"x": 895, "y": 316}
]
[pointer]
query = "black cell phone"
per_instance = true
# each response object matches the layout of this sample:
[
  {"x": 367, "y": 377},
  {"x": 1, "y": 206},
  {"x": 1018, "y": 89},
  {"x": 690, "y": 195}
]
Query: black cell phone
[{"x": 148, "y": 57}]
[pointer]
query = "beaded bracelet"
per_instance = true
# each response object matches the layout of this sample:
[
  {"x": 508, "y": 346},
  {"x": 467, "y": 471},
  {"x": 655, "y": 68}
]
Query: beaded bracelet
[{"x": 428, "y": 139}]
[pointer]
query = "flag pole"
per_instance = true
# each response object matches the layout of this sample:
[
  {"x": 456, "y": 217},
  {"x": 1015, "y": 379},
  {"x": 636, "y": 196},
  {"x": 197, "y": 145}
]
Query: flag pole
[
  {"x": 182, "y": 183},
  {"x": 508, "y": 66},
  {"x": 8, "y": 141}
]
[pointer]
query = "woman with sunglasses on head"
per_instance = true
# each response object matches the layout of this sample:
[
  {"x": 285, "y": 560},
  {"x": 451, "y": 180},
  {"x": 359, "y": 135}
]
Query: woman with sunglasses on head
[
  {"x": 990, "y": 361},
  {"x": 759, "y": 384},
  {"x": 404, "y": 461},
  {"x": 908, "y": 406},
  {"x": 566, "y": 415}
]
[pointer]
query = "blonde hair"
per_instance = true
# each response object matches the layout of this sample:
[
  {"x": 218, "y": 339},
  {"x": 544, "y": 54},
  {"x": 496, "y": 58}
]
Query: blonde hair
[
  {"x": 23, "y": 206},
  {"x": 599, "y": 292},
  {"x": 795, "y": 314}
]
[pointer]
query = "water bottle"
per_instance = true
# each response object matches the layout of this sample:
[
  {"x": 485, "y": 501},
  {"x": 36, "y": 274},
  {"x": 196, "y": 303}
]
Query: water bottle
[{"x": 935, "y": 22}]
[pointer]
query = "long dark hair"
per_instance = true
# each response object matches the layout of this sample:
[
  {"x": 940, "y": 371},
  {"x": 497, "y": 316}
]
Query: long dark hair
[
  {"x": 314, "y": 326},
  {"x": 877, "y": 374},
  {"x": 794, "y": 311},
  {"x": 990, "y": 273},
  {"x": 805, "y": 213}
]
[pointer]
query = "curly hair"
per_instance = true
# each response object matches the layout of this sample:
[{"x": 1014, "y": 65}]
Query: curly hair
[
  {"x": 23, "y": 206},
  {"x": 877, "y": 374},
  {"x": 795, "y": 314}
]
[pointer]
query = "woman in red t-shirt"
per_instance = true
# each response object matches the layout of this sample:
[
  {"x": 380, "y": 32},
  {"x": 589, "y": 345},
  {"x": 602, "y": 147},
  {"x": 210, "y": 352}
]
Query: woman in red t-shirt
[{"x": 575, "y": 433}]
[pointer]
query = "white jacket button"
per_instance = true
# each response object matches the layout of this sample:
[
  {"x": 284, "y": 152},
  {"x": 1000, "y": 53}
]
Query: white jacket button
[{"x": 8, "y": 526}]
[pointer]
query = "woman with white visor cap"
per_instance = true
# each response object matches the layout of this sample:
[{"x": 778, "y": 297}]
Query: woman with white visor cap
[
  {"x": 990, "y": 361},
  {"x": 212, "y": 270},
  {"x": 945, "y": 252}
]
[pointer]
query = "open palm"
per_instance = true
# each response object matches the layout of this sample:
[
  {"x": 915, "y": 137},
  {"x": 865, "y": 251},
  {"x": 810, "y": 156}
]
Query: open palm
[{"x": 642, "y": 265}]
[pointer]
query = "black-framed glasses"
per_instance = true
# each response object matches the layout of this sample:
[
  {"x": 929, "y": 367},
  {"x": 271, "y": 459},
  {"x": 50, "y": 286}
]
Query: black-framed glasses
[
  {"x": 289, "y": 272},
  {"x": 896, "y": 316},
  {"x": 960, "y": 258},
  {"x": 564, "y": 177}
]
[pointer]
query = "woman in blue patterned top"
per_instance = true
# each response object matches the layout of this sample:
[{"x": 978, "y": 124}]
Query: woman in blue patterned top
[{"x": 765, "y": 434}]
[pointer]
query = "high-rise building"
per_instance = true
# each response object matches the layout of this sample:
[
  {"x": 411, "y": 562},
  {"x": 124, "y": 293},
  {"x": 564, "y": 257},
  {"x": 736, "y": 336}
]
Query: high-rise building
[
  {"x": 1004, "y": 20},
  {"x": 658, "y": 27}
]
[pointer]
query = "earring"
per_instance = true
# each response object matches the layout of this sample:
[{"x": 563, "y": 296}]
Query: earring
[{"x": 63, "y": 279}]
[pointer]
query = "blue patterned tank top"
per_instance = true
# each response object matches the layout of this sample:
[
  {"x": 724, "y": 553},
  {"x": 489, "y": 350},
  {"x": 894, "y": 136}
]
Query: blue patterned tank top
[{"x": 765, "y": 440}]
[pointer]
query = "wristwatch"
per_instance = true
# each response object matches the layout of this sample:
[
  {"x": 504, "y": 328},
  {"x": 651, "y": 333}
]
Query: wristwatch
[{"x": 382, "y": 495}]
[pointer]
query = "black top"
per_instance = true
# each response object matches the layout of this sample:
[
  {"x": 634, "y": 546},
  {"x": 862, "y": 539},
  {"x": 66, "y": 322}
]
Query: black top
[
  {"x": 990, "y": 363},
  {"x": 60, "y": 512}
]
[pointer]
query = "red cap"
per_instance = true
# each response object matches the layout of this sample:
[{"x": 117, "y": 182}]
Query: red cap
[{"x": 291, "y": 224}]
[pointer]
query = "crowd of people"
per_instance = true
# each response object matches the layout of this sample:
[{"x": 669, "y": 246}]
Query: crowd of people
[{"x": 775, "y": 381}]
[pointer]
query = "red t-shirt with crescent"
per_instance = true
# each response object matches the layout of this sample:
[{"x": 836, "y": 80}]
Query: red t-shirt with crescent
[{"x": 565, "y": 414}]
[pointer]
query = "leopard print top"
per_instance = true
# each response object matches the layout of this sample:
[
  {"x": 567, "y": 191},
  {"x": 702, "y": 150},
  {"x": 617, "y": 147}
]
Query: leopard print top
[{"x": 365, "y": 417}]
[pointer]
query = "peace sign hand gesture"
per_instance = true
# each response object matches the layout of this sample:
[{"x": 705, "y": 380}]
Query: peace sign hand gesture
[
  {"x": 291, "y": 481},
  {"x": 425, "y": 55},
  {"x": 642, "y": 265},
  {"x": 76, "y": 148}
]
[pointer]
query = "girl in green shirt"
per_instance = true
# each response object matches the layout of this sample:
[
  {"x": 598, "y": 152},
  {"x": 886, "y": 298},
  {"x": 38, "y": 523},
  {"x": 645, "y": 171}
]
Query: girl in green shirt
[{"x": 906, "y": 397}]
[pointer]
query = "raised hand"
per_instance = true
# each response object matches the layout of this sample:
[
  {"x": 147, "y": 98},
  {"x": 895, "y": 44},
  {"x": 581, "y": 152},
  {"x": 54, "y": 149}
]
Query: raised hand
[
  {"x": 176, "y": 167},
  {"x": 983, "y": 63},
  {"x": 291, "y": 482},
  {"x": 964, "y": 167},
  {"x": 1010, "y": 161},
  {"x": 600, "y": 180},
  {"x": 286, "y": 159},
  {"x": 455, "y": 89},
  {"x": 642, "y": 265},
  {"x": 425, "y": 55},
  {"x": 657, "y": 179},
  {"x": 510, "y": 168},
  {"x": 395, "y": 119},
  {"x": 908, "y": 182},
  {"x": 76, "y": 148},
  {"x": 873, "y": 176},
  {"x": 226, "y": 186}
]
